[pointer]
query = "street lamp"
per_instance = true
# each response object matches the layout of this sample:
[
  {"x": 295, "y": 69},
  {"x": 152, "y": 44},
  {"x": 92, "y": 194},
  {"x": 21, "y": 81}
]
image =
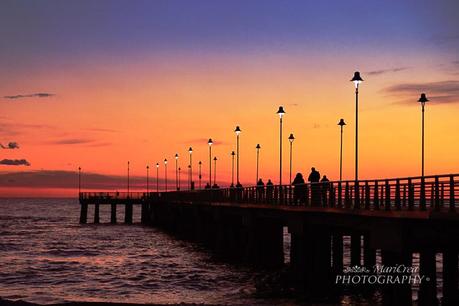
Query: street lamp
[
  {"x": 179, "y": 170},
  {"x": 357, "y": 80},
  {"x": 215, "y": 171},
  {"x": 258, "y": 160},
  {"x": 157, "y": 177},
  {"x": 148, "y": 178},
  {"x": 128, "y": 166},
  {"x": 232, "y": 168},
  {"x": 341, "y": 123},
  {"x": 176, "y": 172},
  {"x": 423, "y": 99},
  {"x": 210, "y": 142},
  {"x": 200, "y": 164},
  {"x": 291, "y": 138},
  {"x": 237, "y": 130},
  {"x": 281, "y": 113},
  {"x": 165, "y": 173},
  {"x": 190, "y": 150},
  {"x": 79, "y": 181}
]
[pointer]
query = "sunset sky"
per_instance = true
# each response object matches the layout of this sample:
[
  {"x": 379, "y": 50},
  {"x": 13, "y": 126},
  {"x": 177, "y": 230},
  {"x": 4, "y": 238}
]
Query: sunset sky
[{"x": 97, "y": 83}]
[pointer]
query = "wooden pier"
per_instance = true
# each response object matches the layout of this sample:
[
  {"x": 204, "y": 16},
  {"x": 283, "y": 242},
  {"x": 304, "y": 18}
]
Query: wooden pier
[{"x": 393, "y": 217}]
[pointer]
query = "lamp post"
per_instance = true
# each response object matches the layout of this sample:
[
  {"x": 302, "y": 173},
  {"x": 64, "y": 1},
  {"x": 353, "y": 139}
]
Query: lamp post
[
  {"x": 423, "y": 99},
  {"x": 79, "y": 181},
  {"x": 281, "y": 113},
  {"x": 210, "y": 142},
  {"x": 179, "y": 170},
  {"x": 215, "y": 171},
  {"x": 148, "y": 178},
  {"x": 128, "y": 168},
  {"x": 357, "y": 80},
  {"x": 237, "y": 130},
  {"x": 157, "y": 177},
  {"x": 258, "y": 160},
  {"x": 291, "y": 138},
  {"x": 190, "y": 150},
  {"x": 176, "y": 172},
  {"x": 341, "y": 123},
  {"x": 165, "y": 174},
  {"x": 200, "y": 164},
  {"x": 232, "y": 168}
]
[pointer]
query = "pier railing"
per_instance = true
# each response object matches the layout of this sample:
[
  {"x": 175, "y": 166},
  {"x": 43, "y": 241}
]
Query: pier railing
[{"x": 436, "y": 192}]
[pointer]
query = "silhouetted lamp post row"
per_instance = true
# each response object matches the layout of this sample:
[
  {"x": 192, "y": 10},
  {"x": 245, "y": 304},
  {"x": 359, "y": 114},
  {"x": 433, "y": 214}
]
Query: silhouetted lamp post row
[
  {"x": 291, "y": 138},
  {"x": 258, "y": 147}
]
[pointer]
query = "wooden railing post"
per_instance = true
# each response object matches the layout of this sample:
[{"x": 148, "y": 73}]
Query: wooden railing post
[
  {"x": 422, "y": 199},
  {"x": 357, "y": 196},
  {"x": 306, "y": 201},
  {"x": 437, "y": 193},
  {"x": 340, "y": 199},
  {"x": 347, "y": 202},
  {"x": 452, "y": 204},
  {"x": 332, "y": 199},
  {"x": 397, "y": 195},
  {"x": 387, "y": 197},
  {"x": 410, "y": 195},
  {"x": 376, "y": 196},
  {"x": 367, "y": 195}
]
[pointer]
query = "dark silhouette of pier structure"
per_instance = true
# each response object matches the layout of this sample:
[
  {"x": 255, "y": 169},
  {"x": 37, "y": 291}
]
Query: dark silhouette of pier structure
[{"x": 393, "y": 218}]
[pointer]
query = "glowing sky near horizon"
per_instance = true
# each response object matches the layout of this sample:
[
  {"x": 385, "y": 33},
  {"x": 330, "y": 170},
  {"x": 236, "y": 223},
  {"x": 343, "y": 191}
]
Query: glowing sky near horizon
[{"x": 143, "y": 80}]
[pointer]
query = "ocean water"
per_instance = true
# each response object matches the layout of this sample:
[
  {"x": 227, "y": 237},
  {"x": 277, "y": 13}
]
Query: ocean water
[{"x": 47, "y": 257}]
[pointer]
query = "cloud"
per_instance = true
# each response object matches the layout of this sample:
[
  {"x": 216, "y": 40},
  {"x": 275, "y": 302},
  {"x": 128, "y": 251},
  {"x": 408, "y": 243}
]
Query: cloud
[
  {"x": 102, "y": 130},
  {"x": 384, "y": 71},
  {"x": 10, "y": 146},
  {"x": 34, "y": 95},
  {"x": 438, "y": 92},
  {"x": 14, "y": 162},
  {"x": 69, "y": 179},
  {"x": 204, "y": 141},
  {"x": 71, "y": 141}
]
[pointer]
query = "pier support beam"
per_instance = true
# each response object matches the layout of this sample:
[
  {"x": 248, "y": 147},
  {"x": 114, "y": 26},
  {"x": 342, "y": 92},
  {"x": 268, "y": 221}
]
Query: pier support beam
[
  {"x": 337, "y": 251},
  {"x": 398, "y": 293},
  {"x": 355, "y": 249},
  {"x": 369, "y": 254},
  {"x": 113, "y": 214},
  {"x": 264, "y": 245},
  {"x": 128, "y": 213},
  {"x": 96, "y": 213},
  {"x": 84, "y": 213},
  {"x": 450, "y": 278},
  {"x": 428, "y": 288}
]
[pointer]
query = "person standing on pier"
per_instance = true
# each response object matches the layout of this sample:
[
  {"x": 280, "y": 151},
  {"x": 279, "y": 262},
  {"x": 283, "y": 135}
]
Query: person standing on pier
[
  {"x": 260, "y": 190},
  {"x": 325, "y": 186},
  {"x": 299, "y": 189},
  {"x": 269, "y": 191},
  {"x": 314, "y": 178}
]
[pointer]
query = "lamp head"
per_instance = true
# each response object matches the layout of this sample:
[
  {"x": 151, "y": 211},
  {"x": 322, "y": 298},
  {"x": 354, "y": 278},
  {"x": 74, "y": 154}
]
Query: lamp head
[
  {"x": 176, "y": 155},
  {"x": 280, "y": 111},
  {"x": 215, "y": 158},
  {"x": 341, "y": 122},
  {"x": 157, "y": 165},
  {"x": 200, "y": 163},
  {"x": 148, "y": 167},
  {"x": 258, "y": 146},
  {"x": 210, "y": 142},
  {"x": 423, "y": 99},
  {"x": 232, "y": 153},
  {"x": 291, "y": 138},
  {"x": 190, "y": 150},
  {"x": 357, "y": 79},
  {"x": 237, "y": 130},
  {"x": 165, "y": 161}
]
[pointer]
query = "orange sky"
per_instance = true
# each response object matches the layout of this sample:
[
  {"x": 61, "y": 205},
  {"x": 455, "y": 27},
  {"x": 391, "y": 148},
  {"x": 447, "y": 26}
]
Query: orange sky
[{"x": 147, "y": 107}]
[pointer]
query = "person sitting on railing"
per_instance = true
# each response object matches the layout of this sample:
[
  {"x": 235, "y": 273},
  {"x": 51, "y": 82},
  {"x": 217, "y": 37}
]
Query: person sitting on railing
[
  {"x": 325, "y": 182},
  {"x": 269, "y": 191},
  {"x": 260, "y": 190},
  {"x": 299, "y": 191},
  {"x": 314, "y": 178}
]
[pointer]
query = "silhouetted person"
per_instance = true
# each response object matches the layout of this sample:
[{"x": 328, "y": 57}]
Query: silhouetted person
[
  {"x": 314, "y": 178},
  {"x": 299, "y": 191},
  {"x": 269, "y": 191},
  {"x": 260, "y": 190},
  {"x": 207, "y": 186},
  {"x": 325, "y": 184}
]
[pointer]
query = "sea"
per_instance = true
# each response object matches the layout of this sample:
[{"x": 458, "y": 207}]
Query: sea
[{"x": 47, "y": 257}]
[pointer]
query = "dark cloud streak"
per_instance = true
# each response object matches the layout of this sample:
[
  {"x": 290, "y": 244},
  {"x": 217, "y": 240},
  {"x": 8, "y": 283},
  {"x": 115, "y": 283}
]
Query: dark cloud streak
[
  {"x": 34, "y": 95},
  {"x": 384, "y": 71},
  {"x": 14, "y": 162},
  {"x": 442, "y": 92},
  {"x": 10, "y": 146}
]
